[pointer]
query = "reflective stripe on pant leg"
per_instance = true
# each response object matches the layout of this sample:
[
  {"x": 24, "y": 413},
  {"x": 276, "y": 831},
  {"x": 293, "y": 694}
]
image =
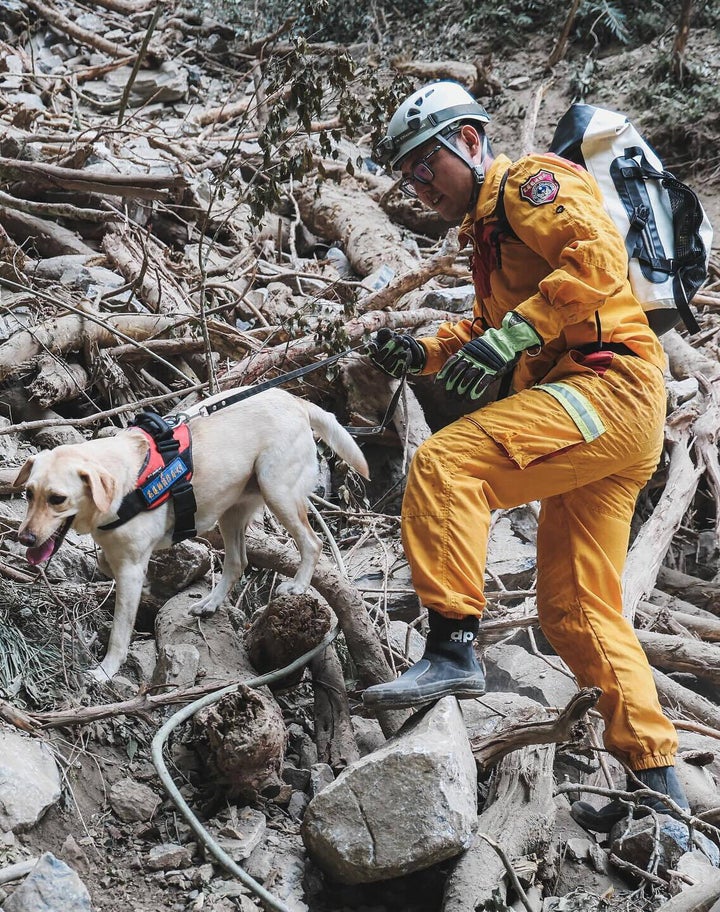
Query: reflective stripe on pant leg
[{"x": 582, "y": 544}]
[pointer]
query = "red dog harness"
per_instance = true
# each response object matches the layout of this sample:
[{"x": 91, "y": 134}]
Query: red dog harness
[{"x": 165, "y": 473}]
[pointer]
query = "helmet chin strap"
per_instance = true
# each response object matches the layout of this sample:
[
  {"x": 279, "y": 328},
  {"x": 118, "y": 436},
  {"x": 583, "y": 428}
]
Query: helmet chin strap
[{"x": 478, "y": 171}]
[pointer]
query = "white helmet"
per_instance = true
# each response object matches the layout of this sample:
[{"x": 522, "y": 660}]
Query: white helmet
[{"x": 426, "y": 113}]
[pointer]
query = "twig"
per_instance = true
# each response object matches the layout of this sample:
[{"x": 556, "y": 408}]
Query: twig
[
  {"x": 138, "y": 62},
  {"x": 641, "y": 872},
  {"x": 517, "y": 886}
]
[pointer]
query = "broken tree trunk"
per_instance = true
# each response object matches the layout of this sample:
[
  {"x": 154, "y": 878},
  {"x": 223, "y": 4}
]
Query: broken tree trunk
[
  {"x": 519, "y": 816},
  {"x": 347, "y": 215},
  {"x": 287, "y": 628},
  {"x": 347, "y": 603},
  {"x": 242, "y": 741},
  {"x": 334, "y": 735}
]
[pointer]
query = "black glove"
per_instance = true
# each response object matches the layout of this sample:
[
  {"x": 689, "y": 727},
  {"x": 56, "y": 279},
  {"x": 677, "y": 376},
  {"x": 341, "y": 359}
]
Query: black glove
[{"x": 396, "y": 353}]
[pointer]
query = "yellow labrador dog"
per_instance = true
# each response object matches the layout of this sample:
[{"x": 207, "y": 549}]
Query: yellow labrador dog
[{"x": 260, "y": 450}]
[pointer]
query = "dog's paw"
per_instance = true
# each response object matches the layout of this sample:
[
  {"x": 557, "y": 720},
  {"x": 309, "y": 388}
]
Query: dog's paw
[
  {"x": 290, "y": 587},
  {"x": 204, "y": 609},
  {"x": 101, "y": 674}
]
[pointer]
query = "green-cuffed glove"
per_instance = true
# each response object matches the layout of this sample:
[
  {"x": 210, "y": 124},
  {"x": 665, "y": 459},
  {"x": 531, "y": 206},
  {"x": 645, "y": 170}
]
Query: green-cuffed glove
[
  {"x": 470, "y": 371},
  {"x": 396, "y": 353}
]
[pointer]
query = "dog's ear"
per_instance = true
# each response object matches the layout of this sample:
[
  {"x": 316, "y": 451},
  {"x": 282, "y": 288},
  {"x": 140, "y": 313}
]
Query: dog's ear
[
  {"x": 102, "y": 487},
  {"x": 24, "y": 473}
]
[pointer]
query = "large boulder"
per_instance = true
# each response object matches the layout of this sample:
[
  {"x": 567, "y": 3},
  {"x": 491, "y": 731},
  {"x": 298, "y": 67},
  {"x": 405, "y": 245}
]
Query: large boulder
[
  {"x": 409, "y": 805},
  {"x": 29, "y": 780}
]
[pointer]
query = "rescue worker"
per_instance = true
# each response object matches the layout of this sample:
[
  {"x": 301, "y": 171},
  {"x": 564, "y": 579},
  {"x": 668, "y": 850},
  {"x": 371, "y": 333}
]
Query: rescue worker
[{"x": 582, "y": 430}]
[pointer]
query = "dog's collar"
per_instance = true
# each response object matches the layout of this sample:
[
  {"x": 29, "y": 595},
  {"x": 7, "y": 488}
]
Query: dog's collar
[{"x": 166, "y": 472}]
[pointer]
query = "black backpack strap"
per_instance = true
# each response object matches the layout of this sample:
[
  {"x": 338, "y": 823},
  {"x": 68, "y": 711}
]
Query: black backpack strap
[
  {"x": 500, "y": 214},
  {"x": 688, "y": 266}
]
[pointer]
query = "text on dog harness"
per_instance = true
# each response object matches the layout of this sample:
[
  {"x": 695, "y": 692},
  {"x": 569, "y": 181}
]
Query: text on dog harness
[{"x": 165, "y": 474}]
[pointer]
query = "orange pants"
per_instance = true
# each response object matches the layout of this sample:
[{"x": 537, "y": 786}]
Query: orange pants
[{"x": 527, "y": 447}]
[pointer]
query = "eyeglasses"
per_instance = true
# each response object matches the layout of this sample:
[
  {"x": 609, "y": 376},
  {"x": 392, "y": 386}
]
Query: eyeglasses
[{"x": 421, "y": 173}]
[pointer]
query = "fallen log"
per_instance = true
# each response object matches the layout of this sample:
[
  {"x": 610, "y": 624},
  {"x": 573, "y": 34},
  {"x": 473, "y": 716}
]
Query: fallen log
[
  {"x": 47, "y": 237},
  {"x": 653, "y": 540},
  {"x": 72, "y": 333},
  {"x": 707, "y": 629},
  {"x": 347, "y": 215},
  {"x": 674, "y": 653},
  {"x": 680, "y": 700},
  {"x": 142, "y": 265},
  {"x": 135, "y": 186},
  {"x": 703, "y": 593},
  {"x": 65, "y": 26},
  {"x": 488, "y": 750},
  {"x": 702, "y": 897}
]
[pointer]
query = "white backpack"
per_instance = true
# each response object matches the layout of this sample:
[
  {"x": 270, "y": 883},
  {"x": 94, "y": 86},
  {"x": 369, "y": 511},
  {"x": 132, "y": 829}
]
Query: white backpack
[{"x": 666, "y": 231}]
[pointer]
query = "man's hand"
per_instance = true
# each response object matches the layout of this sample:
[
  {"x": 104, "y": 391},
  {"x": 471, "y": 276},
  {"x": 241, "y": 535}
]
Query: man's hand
[
  {"x": 396, "y": 353},
  {"x": 471, "y": 370}
]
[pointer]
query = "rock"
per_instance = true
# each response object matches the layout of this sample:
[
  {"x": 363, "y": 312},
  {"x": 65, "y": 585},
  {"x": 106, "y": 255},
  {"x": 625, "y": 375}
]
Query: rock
[
  {"x": 455, "y": 300},
  {"x": 242, "y": 833},
  {"x": 132, "y": 801},
  {"x": 409, "y": 805},
  {"x": 299, "y": 779},
  {"x": 222, "y": 656},
  {"x": 29, "y": 780},
  {"x": 168, "y": 857},
  {"x": 582, "y": 864},
  {"x": 482, "y": 717},
  {"x": 510, "y": 556},
  {"x": 279, "y": 864},
  {"x": 321, "y": 775},
  {"x": 167, "y": 83},
  {"x": 142, "y": 658},
  {"x": 368, "y": 734},
  {"x": 176, "y": 666},
  {"x": 513, "y": 668},
  {"x": 51, "y": 886},
  {"x": 519, "y": 83},
  {"x": 74, "y": 855},
  {"x": 297, "y": 804},
  {"x": 8, "y": 444},
  {"x": 406, "y": 640},
  {"x": 190, "y": 562},
  {"x": 638, "y": 842}
]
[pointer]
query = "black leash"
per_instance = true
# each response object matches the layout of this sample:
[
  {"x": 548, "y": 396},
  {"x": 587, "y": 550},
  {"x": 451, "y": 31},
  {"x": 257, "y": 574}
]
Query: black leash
[{"x": 300, "y": 372}]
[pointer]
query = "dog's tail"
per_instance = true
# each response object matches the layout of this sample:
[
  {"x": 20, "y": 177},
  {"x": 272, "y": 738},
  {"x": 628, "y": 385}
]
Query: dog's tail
[{"x": 334, "y": 434}]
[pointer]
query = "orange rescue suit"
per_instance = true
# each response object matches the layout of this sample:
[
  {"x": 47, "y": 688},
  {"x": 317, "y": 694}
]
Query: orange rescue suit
[{"x": 582, "y": 432}]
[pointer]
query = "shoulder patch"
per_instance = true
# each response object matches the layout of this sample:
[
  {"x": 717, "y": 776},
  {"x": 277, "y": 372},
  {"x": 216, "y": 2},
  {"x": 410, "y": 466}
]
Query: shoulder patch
[{"x": 541, "y": 188}]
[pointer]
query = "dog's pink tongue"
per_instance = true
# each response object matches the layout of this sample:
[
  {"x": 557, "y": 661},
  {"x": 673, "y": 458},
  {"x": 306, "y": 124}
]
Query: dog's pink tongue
[{"x": 41, "y": 553}]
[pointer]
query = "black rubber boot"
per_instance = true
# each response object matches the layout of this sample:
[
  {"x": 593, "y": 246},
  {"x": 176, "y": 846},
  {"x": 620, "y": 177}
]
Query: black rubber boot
[
  {"x": 661, "y": 779},
  {"x": 448, "y": 666}
]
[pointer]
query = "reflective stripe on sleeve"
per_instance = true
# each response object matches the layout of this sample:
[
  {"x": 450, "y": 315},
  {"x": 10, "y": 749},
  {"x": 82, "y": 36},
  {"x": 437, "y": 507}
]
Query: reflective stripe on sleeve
[{"x": 584, "y": 416}]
